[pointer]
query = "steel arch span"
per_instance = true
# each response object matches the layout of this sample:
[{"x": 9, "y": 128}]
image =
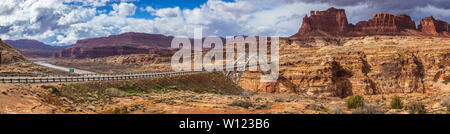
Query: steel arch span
[{"x": 238, "y": 69}]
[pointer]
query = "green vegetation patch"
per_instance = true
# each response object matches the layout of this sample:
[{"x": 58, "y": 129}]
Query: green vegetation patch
[
  {"x": 199, "y": 83},
  {"x": 417, "y": 108},
  {"x": 396, "y": 103},
  {"x": 242, "y": 103},
  {"x": 355, "y": 101}
]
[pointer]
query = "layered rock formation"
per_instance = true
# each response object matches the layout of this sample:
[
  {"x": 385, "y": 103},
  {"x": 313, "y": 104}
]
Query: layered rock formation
[
  {"x": 333, "y": 22},
  {"x": 385, "y": 24},
  {"x": 34, "y": 48},
  {"x": 431, "y": 26},
  {"x": 105, "y": 51},
  {"x": 360, "y": 65},
  {"x": 127, "y": 43}
]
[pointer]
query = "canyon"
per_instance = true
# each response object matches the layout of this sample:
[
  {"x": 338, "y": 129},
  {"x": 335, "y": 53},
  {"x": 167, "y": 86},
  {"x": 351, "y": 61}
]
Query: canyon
[
  {"x": 345, "y": 66},
  {"x": 329, "y": 23},
  {"x": 323, "y": 64}
]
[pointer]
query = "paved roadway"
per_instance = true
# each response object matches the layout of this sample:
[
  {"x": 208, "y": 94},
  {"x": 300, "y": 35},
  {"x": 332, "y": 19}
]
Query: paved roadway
[{"x": 77, "y": 71}]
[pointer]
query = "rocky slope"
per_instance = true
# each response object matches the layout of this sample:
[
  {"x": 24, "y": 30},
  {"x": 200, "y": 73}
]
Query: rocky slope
[
  {"x": 123, "y": 44},
  {"x": 184, "y": 95},
  {"x": 34, "y": 48},
  {"x": 12, "y": 62},
  {"x": 9, "y": 54},
  {"x": 333, "y": 23}
]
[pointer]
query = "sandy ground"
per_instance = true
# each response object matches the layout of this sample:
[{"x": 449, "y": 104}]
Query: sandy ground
[{"x": 32, "y": 99}]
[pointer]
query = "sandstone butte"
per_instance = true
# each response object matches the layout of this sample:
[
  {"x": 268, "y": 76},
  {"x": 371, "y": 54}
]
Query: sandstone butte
[
  {"x": 333, "y": 22},
  {"x": 429, "y": 25}
]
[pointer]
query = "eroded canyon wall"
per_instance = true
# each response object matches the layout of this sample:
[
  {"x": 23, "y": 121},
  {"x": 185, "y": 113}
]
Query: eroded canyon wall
[{"x": 360, "y": 65}]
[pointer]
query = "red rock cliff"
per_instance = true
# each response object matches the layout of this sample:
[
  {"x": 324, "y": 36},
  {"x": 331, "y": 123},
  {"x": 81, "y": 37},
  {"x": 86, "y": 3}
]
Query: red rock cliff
[
  {"x": 429, "y": 25},
  {"x": 385, "y": 24},
  {"x": 333, "y": 21}
]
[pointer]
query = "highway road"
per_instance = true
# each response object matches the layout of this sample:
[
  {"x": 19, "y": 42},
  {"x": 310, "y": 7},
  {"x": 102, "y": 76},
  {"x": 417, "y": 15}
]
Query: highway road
[{"x": 77, "y": 71}]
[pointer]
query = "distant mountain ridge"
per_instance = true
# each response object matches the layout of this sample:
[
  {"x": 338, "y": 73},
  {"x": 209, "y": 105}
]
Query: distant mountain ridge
[
  {"x": 34, "y": 48},
  {"x": 130, "y": 38},
  {"x": 122, "y": 44}
]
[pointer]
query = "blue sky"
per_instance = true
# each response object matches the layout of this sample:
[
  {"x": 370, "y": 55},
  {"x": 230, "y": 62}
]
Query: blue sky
[
  {"x": 64, "y": 22},
  {"x": 158, "y": 4},
  {"x": 183, "y": 4}
]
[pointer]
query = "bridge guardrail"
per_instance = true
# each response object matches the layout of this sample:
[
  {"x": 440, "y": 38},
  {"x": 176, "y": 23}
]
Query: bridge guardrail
[
  {"x": 52, "y": 78},
  {"x": 73, "y": 75}
]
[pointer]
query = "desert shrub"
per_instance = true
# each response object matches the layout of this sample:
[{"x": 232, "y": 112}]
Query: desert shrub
[
  {"x": 166, "y": 101},
  {"x": 315, "y": 107},
  {"x": 368, "y": 109},
  {"x": 355, "y": 101},
  {"x": 134, "y": 88},
  {"x": 123, "y": 110},
  {"x": 279, "y": 99},
  {"x": 336, "y": 110},
  {"x": 417, "y": 108},
  {"x": 114, "y": 92},
  {"x": 241, "y": 103},
  {"x": 53, "y": 89},
  {"x": 262, "y": 106},
  {"x": 396, "y": 103}
]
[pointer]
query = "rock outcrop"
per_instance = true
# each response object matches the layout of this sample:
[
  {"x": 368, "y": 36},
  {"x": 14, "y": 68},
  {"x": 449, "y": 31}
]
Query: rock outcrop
[
  {"x": 333, "y": 21},
  {"x": 123, "y": 44},
  {"x": 360, "y": 65},
  {"x": 34, "y": 48},
  {"x": 385, "y": 24},
  {"x": 431, "y": 26},
  {"x": 9, "y": 55}
]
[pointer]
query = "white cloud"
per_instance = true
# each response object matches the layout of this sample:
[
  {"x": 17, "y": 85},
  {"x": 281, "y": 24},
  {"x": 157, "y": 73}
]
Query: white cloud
[
  {"x": 77, "y": 15},
  {"x": 123, "y": 9},
  {"x": 62, "y": 22},
  {"x": 148, "y": 9},
  {"x": 96, "y": 3},
  {"x": 7, "y": 6}
]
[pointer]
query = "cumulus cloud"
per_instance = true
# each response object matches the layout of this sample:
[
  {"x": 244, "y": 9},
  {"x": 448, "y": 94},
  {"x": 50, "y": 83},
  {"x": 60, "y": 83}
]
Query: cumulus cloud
[
  {"x": 63, "y": 22},
  {"x": 417, "y": 9},
  {"x": 168, "y": 12},
  {"x": 123, "y": 9},
  {"x": 148, "y": 9},
  {"x": 95, "y": 3}
]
